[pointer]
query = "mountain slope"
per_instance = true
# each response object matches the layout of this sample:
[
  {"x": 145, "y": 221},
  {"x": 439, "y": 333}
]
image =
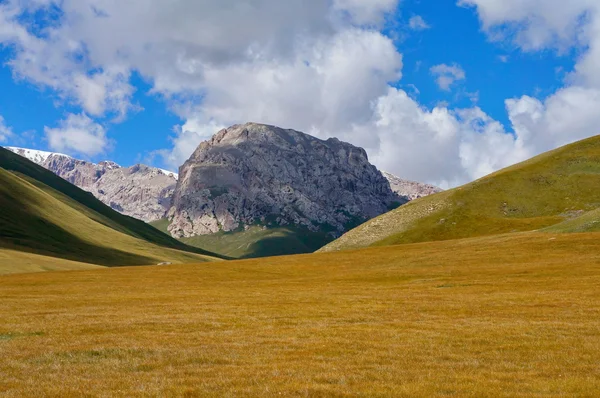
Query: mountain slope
[
  {"x": 258, "y": 174},
  {"x": 587, "y": 222},
  {"x": 536, "y": 194},
  {"x": 18, "y": 262},
  {"x": 139, "y": 191},
  {"x": 43, "y": 214}
]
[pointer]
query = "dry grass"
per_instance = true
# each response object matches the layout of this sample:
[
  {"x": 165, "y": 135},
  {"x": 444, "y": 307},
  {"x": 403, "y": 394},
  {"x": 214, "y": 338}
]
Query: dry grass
[
  {"x": 515, "y": 315},
  {"x": 15, "y": 262}
]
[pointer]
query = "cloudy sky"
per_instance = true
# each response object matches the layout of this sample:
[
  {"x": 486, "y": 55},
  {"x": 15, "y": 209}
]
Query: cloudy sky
[{"x": 440, "y": 91}]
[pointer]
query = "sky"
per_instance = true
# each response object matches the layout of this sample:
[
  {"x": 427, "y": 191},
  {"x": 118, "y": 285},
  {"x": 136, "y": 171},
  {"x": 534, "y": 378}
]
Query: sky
[{"x": 438, "y": 91}]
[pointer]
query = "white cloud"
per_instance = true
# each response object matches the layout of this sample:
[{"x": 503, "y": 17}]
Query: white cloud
[
  {"x": 447, "y": 75},
  {"x": 547, "y": 24},
  {"x": 571, "y": 112},
  {"x": 366, "y": 11},
  {"x": 418, "y": 23},
  {"x": 320, "y": 66},
  {"x": 566, "y": 116},
  {"x": 187, "y": 137},
  {"x": 78, "y": 134},
  {"x": 327, "y": 89},
  {"x": 535, "y": 24},
  {"x": 5, "y": 131}
]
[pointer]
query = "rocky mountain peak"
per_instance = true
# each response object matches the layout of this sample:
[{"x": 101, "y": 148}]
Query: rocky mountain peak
[{"x": 260, "y": 174}]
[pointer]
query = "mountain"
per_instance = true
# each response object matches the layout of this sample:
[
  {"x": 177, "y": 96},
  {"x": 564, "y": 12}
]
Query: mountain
[
  {"x": 44, "y": 215},
  {"x": 265, "y": 220},
  {"x": 558, "y": 191},
  {"x": 257, "y": 174},
  {"x": 409, "y": 190},
  {"x": 139, "y": 191}
]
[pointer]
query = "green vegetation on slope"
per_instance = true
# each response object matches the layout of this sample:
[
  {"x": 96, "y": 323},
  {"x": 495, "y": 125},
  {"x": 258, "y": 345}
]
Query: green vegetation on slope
[
  {"x": 43, "y": 214},
  {"x": 504, "y": 316},
  {"x": 587, "y": 222},
  {"x": 535, "y": 194},
  {"x": 256, "y": 241},
  {"x": 18, "y": 262}
]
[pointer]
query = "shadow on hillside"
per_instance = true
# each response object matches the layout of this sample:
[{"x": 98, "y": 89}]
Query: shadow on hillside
[
  {"x": 44, "y": 238},
  {"x": 23, "y": 228},
  {"x": 293, "y": 243},
  {"x": 41, "y": 177}
]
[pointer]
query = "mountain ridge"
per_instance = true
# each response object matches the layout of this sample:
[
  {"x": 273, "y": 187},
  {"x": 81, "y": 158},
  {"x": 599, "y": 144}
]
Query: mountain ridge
[{"x": 139, "y": 191}]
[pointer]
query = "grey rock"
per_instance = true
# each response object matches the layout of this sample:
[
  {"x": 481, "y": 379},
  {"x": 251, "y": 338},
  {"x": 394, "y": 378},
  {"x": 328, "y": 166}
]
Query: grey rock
[
  {"x": 409, "y": 189},
  {"x": 255, "y": 173},
  {"x": 139, "y": 191}
]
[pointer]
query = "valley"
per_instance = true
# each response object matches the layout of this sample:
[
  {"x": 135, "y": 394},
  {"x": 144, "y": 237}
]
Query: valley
[
  {"x": 510, "y": 315},
  {"x": 492, "y": 288}
]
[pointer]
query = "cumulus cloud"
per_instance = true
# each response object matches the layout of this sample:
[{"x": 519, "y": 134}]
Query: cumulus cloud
[
  {"x": 78, "y": 134},
  {"x": 535, "y": 24},
  {"x": 571, "y": 112},
  {"x": 366, "y": 11},
  {"x": 447, "y": 75},
  {"x": 322, "y": 67},
  {"x": 440, "y": 146},
  {"x": 5, "y": 131},
  {"x": 186, "y": 139},
  {"x": 418, "y": 23}
]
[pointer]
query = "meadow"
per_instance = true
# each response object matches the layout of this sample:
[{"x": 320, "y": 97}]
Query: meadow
[{"x": 503, "y": 316}]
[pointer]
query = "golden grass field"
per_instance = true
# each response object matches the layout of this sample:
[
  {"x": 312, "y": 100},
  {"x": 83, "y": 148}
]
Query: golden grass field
[{"x": 505, "y": 316}]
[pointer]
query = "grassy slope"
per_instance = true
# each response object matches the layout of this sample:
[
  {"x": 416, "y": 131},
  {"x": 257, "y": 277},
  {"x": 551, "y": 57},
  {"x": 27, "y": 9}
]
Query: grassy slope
[
  {"x": 256, "y": 241},
  {"x": 536, "y": 194},
  {"x": 587, "y": 222},
  {"x": 43, "y": 214},
  {"x": 28, "y": 262},
  {"x": 514, "y": 315}
]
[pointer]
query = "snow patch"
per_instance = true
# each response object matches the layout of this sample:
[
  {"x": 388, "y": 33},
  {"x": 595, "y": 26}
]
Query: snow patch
[
  {"x": 169, "y": 173},
  {"x": 34, "y": 155}
]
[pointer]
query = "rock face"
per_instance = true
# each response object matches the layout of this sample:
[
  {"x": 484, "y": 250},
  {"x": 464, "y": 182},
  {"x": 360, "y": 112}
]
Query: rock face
[
  {"x": 255, "y": 173},
  {"x": 409, "y": 189},
  {"x": 139, "y": 191}
]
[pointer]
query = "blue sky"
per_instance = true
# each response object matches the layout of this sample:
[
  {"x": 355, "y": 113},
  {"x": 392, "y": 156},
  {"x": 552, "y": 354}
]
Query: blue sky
[{"x": 83, "y": 77}]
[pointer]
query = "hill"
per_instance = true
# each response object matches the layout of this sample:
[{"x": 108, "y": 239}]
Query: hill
[
  {"x": 502, "y": 316},
  {"x": 45, "y": 215},
  {"x": 256, "y": 241},
  {"x": 542, "y": 192}
]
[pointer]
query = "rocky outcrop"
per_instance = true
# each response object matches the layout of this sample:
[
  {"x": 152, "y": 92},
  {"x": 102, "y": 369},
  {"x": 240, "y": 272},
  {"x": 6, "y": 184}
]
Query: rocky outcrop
[
  {"x": 258, "y": 174},
  {"x": 139, "y": 191},
  {"x": 409, "y": 189}
]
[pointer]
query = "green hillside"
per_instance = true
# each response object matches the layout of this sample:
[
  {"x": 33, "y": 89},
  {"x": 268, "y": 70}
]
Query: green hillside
[
  {"x": 45, "y": 215},
  {"x": 587, "y": 222},
  {"x": 553, "y": 189},
  {"x": 256, "y": 241}
]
